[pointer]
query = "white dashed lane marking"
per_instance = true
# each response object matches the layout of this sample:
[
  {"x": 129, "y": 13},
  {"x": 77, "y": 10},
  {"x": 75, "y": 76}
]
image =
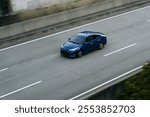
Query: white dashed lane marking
[
  {"x": 148, "y": 20},
  {"x": 28, "y": 86},
  {"x": 120, "y": 49},
  {"x": 3, "y": 69}
]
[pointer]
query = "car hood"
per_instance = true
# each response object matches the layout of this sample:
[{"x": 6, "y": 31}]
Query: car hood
[{"x": 70, "y": 45}]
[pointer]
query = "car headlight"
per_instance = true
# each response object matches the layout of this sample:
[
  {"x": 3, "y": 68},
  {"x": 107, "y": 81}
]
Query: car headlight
[{"x": 74, "y": 49}]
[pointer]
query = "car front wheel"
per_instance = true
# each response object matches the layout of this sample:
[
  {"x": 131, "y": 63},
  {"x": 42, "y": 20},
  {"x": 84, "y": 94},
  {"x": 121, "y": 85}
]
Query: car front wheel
[
  {"x": 80, "y": 53},
  {"x": 101, "y": 46}
]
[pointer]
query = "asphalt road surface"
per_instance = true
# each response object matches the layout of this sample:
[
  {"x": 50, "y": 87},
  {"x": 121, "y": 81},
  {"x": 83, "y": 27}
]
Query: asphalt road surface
[{"x": 36, "y": 70}]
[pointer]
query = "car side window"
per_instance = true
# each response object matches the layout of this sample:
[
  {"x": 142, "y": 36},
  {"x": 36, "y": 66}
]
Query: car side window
[
  {"x": 95, "y": 36},
  {"x": 89, "y": 38}
]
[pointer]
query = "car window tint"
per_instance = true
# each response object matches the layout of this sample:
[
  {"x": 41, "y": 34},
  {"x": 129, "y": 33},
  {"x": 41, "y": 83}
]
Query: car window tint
[
  {"x": 77, "y": 39},
  {"x": 95, "y": 36},
  {"x": 89, "y": 38}
]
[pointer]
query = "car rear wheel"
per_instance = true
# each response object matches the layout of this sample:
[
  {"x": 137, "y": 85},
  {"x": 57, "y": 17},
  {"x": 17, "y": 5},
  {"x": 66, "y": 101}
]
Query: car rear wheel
[
  {"x": 101, "y": 46},
  {"x": 80, "y": 53}
]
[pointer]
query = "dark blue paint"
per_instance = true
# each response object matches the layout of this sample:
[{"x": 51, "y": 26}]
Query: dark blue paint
[{"x": 86, "y": 42}]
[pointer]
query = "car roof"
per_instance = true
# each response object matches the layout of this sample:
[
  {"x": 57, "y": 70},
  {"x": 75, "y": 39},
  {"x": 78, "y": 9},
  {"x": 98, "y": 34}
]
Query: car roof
[{"x": 88, "y": 33}]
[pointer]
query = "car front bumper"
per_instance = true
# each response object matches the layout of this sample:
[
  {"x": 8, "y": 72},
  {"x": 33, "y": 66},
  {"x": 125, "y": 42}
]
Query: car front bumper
[{"x": 68, "y": 53}]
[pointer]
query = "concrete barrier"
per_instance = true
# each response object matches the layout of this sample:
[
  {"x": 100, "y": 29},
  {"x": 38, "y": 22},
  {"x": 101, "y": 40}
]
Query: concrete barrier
[
  {"x": 108, "y": 84},
  {"x": 33, "y": 24}
]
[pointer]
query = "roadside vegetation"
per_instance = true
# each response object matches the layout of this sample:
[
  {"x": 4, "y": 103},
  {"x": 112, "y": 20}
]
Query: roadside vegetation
[{"x": 138, "y": 86}]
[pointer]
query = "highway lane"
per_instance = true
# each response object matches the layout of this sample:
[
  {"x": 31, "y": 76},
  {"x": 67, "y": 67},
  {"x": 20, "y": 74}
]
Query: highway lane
[{"x": 35, "y": 70}]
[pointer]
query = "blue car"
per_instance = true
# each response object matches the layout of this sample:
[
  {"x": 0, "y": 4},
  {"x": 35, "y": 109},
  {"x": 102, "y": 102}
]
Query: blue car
[{"x": 83, "y": 43}]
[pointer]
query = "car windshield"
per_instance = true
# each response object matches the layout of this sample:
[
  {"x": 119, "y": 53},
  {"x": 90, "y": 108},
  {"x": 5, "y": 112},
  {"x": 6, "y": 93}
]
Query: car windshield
[{"x": 79, "y": 39}]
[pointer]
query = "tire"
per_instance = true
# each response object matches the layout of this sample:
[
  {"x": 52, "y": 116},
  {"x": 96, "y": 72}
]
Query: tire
[
  {"x": 80, "y": 53},
  {"x": 101, "y": 46}
]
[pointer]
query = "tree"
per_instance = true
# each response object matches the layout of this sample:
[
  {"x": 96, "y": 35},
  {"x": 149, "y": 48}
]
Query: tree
[{"x": 138, "y": 86}]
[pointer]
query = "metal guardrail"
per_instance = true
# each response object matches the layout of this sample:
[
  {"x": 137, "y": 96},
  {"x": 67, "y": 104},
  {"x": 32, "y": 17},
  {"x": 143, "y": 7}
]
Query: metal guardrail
[{"x": 101, "y": 87}]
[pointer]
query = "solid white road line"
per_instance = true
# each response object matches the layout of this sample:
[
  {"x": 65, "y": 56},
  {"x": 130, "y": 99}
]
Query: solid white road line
[
  {"x": 119, "y": 50},
  {"x": 28, "y": 86},
  {"x": 74, "y": 28},
  {"x": 105, "y": 83},
  {"x": 3, "y": 69},
  {"x": 148, "y": 20}
]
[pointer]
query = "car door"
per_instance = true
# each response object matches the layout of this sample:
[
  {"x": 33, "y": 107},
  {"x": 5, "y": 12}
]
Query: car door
[
  {"x": 95, "y": 43},
  {"x": 88, "y": 44}
]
